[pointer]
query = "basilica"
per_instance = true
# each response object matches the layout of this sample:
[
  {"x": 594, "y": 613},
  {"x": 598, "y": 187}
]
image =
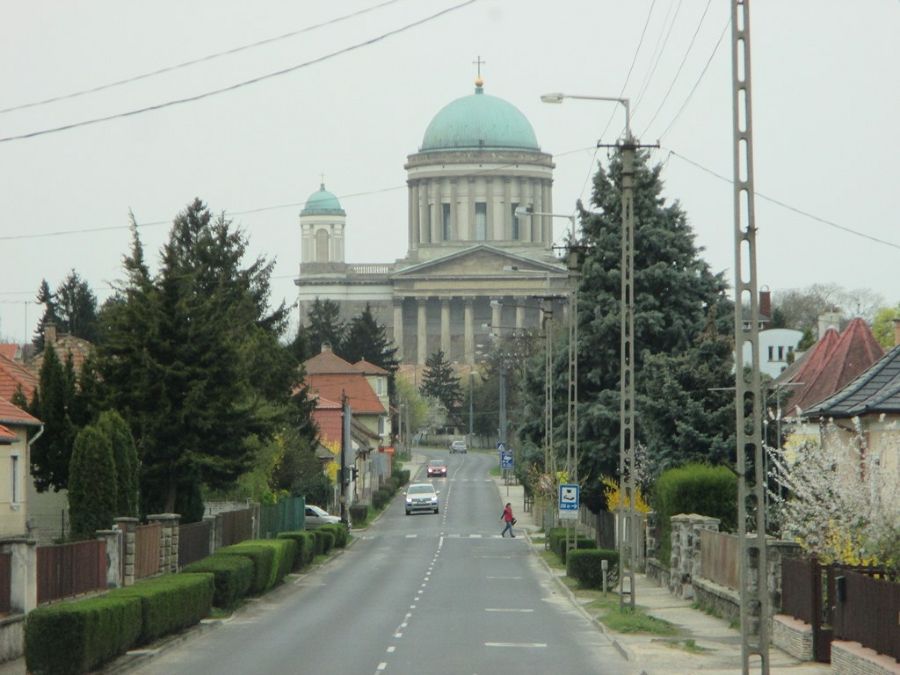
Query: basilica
[{"x": 480, "y": 261}]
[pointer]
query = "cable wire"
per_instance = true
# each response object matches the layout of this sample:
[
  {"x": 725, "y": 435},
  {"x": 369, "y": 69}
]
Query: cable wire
[
  {"x": 202, "y": 59},
  {"x": 656, "y": 59},
  {"x": 244, "y": 83}
]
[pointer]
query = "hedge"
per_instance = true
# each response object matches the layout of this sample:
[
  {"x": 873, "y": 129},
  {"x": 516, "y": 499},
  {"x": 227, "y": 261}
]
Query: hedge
[
  {"x": 586, "y": 566},
  {"x": 341, "y": 535},
  {"x": 381, "y": 497},
  {"x": 694, "y": 488},
  {"x": 580, "y": 543},
  {"x": 233, "y": 575},
  {"x": 306, "y": 546},
  {"x": 324, "y": 540},
  {"x": 77, "y": 637},
  {"x": 283, "y": 553},
  {"x": 263, "y": 558},
  {"x": 170, "y": 603},
  {"x": 359, "y": 514}
]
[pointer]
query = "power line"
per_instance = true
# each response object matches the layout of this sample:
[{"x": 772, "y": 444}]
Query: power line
[
  {"x": 680, "y": 67},
  {"x": 239, "y": 85},
  {"x": 658, "y": 56},
  {"x": 192, "y": 62},
  {"x": 778, "y": 202}
]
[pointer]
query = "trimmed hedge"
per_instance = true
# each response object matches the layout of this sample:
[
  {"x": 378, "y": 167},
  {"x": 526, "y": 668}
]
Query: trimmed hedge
[
  {"x": 306, "y": 546},
  {"x": 359, "y": 514},
  {"x": 694, "y": 488},
  {"x": 381, "y": 497},
  {"x": 341, "y": 534},
  {"x": 263, "y": 558},
  {"x": 170, "y": 603},
  {"x": 581, "y": 543},
  {"x": 77, "y": 637},
  {"x": 324, "y": 540},
  {"x": 586, "y": 566},
  {"x": 283, "y": 553},
  {"x": 233, "y": 575}
]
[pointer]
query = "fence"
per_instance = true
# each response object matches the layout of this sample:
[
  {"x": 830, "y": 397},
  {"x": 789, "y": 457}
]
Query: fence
[
  {"x": 285, "y": 516},
  {"x": 866, "y": 611},
  {"x": 5, "y": 581},
  {"x": 70, "y": 569},
  {"x": 193, "y": 542},
  {"x": 720, "y": 557},
  {"x": 236, "y": 526},
  {"x": 146, "y": 550},
  {"x": 602, "y": 526}
]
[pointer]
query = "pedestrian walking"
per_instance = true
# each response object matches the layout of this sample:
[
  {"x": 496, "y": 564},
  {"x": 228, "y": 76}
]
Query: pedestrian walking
[{"x": 508, "y": 518}]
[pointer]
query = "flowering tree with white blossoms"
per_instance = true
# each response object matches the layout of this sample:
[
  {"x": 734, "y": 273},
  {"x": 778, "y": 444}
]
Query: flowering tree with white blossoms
[{"x": 836, "y": 499}]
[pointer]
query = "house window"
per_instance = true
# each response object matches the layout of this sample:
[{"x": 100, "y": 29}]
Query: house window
[
  {"x": 480, "y": 221},
  {"x": 515, "y": 221},
  {"x": 771, "y": 353},
  {"x": 381, "y": 425},
  {"x": 14, "y": 486},
  {"x": 445, "y": 221},
  {"x": 780, "y": 353}
]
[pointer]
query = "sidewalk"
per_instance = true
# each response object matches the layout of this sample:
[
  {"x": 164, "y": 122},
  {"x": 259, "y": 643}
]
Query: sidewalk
[{"x": 704, "y": 644}]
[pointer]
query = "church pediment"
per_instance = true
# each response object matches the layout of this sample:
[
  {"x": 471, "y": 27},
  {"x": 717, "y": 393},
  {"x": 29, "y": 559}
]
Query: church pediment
[{"x": 480, "y": 261}]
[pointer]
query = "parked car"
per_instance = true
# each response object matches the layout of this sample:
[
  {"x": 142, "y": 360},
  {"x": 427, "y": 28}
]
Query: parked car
[
  {"x": 436, "y": 467},
  {"x": 421, "y": 497},
  {"x": 316, "y": 517},
  {"x": 458, "y": 446}
]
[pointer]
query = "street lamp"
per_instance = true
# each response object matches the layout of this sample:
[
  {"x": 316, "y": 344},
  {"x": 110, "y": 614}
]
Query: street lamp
[{"x": 626, "y": 378}]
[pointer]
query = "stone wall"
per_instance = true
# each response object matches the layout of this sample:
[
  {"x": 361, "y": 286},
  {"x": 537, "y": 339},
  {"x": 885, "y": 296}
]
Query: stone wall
[
  {"x": 721, "y": 601},
  {"x": 684, "y": 563},
  {"x": 793, "y": 636},
  {"x": 851, "y": 658}
]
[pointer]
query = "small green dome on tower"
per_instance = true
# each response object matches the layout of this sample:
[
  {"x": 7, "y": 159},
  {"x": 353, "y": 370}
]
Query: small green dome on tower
[
  {"x": 479, "y": 121},
  {"x": 322, "y": 202}
]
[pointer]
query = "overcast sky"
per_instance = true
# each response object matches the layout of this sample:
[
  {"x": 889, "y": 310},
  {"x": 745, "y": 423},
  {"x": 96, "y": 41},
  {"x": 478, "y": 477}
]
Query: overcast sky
[{"x": 826, "y": 105}]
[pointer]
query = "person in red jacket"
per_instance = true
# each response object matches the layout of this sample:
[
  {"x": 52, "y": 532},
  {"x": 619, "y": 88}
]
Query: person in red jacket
[{"x": 508, "y": 518}]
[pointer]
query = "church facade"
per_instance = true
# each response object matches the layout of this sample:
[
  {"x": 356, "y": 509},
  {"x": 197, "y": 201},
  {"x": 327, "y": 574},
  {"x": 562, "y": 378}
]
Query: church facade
[{"x": 480, "y": 260}]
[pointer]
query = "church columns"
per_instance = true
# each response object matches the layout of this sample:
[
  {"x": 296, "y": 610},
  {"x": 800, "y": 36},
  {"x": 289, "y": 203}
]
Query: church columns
[
  {"x": 434, "y": 208},
  {"x": 469, "y": 331},
  {"x": 412, "y": 195},
  {"x": 520, "y": 315},
  {"x": 455, "y": 231},
  {"x": 507, "y": 206},
  {"x": 540, "y": 234},
  {"x": 496, "y": 313},
  {"x": 398, "y": 327},
  {"x": 470, "y": 208},
  {"x": 491, "y": 232},
  {"x": 445, "y": 327},
  {"x": 528, "y": 202},
  {"x": 547, "y": 201},
  {"x": 421, "y": 208},
  {"x": 421, "y": 332}
]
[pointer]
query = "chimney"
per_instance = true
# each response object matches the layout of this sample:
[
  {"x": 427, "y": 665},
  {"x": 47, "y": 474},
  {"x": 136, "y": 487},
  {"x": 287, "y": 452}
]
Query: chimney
[
  {"x": 765, "y": 304},
  {"x": 326, "y": 347},
  {"x": 897, "y": 332},
  {"x": 829, "y": 320},
  {"x": 50, "y": 333}
]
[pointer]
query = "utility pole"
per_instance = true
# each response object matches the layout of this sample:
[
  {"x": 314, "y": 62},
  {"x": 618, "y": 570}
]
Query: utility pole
[
  {"x": 751, "y": 492},
  {"x": 471, "y": 407},
  {"x": 346, "y": 449}
]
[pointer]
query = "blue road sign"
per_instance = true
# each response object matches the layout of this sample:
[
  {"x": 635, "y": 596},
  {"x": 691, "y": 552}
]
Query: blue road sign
[
  {"x": 569, "y": 500},
  {"x": 506, "y": 460}
]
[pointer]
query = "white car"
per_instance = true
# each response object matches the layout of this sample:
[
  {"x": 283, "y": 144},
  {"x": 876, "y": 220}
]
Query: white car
[
  {"x": 421, "y": 497},
  {"x": 458, "y": 446},
  {"x": 316, "y": 517}
]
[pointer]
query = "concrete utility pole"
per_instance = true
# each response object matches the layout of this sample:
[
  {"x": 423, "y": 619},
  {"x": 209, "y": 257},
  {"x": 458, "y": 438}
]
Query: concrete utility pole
[
  {"x": 751, "y": 492},
  {"x": 346, "y": 449}
]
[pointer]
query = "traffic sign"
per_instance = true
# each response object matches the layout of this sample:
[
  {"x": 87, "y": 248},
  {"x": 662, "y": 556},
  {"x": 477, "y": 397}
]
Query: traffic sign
[
  {"x": 569, "y": 500},
  {"x": 506, "y": 460}
]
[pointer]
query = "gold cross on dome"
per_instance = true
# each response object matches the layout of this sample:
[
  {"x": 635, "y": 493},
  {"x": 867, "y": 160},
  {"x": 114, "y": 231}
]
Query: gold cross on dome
[{"x": 478, "y": 62}]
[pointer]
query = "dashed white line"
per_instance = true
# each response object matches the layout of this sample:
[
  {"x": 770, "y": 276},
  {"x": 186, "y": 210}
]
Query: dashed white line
[
  {"x": 382, "y": 665},
  {"x": 508, "y": 578},
  {"x": 504, "y": 609},
  {"x": 531, "y": 645},
  {"x": 398, "y": 635},
  {"x": 411, "y": 536},
  {"x": 391, "y": 649}
]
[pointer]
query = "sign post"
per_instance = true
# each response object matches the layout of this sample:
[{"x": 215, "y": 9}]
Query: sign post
[
  {"x": 506, "y": 465},
  {"x": 569, "y": 501}
]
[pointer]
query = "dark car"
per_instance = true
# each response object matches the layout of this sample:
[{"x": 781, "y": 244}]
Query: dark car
[{"x": 436, "y": 467}]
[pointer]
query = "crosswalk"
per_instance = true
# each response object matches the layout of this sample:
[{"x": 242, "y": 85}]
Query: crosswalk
[{"x": 447, "y": 535}]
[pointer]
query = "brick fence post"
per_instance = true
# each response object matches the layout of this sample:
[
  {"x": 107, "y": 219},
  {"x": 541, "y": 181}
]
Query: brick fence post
[
  {"x": 22, "y": 574},
  {"x": 127, "y": 526},
  {"x": 114, "y": 555},
  {"x": 168, "y": 544}
]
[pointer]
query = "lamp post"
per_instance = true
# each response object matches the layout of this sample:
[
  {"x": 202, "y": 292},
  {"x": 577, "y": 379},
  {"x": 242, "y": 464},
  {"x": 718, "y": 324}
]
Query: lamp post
[{"x": 627, "y": 534}]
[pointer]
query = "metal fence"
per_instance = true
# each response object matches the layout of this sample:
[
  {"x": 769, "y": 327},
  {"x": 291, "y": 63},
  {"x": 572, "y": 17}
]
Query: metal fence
[
  {"x": 5, "y": 581},
  {"x": 286, "y": 516},
  {"x": 867, "y": 611},
  {"x": 601, "y": 526},
  {"x": 70, "y": 569},
  {"x": 236, "y": 526},
  {"x": 193, "y": 542},
  {"x": 146, "y": 550},
  {"x": 720, "y": 557}
]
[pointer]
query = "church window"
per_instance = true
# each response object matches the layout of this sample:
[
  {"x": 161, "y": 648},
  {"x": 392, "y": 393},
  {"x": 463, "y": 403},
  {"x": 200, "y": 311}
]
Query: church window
[
  {"x": 322, "y": 246},
  {"x": 445, "y": 222},
  {"x": 480, "y": 221},
  {"x": 515, "y": 221}
]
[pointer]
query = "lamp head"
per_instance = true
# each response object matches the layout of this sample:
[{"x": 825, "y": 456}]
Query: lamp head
[
  {"x": 555, "y": 97},
  {"x": 522, "y": 211}
]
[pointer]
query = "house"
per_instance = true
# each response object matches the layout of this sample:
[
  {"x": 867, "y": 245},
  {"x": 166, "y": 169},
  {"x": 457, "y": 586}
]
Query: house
[
  {"x": 65, "y": 346},
  {"x": 15, "y": 425}
]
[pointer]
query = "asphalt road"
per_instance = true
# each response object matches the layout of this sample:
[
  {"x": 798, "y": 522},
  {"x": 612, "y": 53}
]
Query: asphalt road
[{"x": 424, "y": 594}]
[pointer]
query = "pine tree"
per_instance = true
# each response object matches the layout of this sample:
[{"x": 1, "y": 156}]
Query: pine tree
[
  {"x": 126, "y": 461},
  {"x": 324, "y": 326},
  {"x": 440, "y": 382},
  {"x": 51, "y": 315},
  {"x": 92, "y": 483},
  {"x": 367, "y": 339},
  {"x": 51, "y": 453},
  {"x": 77, "y": 307}
]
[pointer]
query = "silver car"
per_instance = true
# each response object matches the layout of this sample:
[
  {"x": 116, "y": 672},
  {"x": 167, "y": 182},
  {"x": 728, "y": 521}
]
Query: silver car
[
  {"x": 458, "y": 446},
  {"x": 316, "y": 517},
  {"x": 421, "y": 497}
]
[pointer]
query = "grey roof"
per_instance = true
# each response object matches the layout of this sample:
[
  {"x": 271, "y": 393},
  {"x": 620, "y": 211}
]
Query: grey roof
[{"x": 876, "y": 390}]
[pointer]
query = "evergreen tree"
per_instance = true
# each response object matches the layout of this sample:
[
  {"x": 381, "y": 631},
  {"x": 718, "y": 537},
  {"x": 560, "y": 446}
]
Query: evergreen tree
[
  {"x": 324, "y": 326},
  {"x": 77, "y": 307},
  {"x": 51, "y": 315},
  {"x": 367, "y": 339},
  {"x": 126, "y": 460},
  {"x": 92, "y": 484},
  {"x": 675, "y": 295},
  {"x": 51, "y": 453},
  {"x": 440, "y": 382}
]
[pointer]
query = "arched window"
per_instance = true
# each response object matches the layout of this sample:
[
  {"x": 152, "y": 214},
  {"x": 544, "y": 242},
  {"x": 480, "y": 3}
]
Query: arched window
[{"x": 322, "y": 246}]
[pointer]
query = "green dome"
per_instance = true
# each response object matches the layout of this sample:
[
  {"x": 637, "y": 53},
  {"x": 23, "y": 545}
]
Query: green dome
[
  {"x": 322, "y": 202},
  {"x": 479, "y": 121}
]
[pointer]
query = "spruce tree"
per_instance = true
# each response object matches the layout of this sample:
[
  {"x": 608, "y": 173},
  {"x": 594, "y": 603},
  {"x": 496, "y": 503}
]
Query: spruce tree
[
  {"x": 367, "y": 339},
  {"x": 92, "y": 483},
  {"x": 324, "y": 326},
  {"x": 125, "y": 457},
  {"x": 46, "y": 298},
  {"x": 51, "y": 453},
  {"x": 440, "y": 382},
  {"x": 76, "y": 305}
]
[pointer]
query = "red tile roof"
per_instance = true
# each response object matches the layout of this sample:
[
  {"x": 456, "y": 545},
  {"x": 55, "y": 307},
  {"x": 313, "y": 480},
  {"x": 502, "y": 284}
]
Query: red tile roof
[
  {"x": 331, "y": 386},
  {"x": 64, "y": 345},
  {"x": 327, "y": 363},
  {"x": 833, "y": 363},
  {"x": 9, "y": 351},
  {"x": 367, "y": 368},
  {"x": 14, "y": 375},
  {"x": 329, "y": 422},
  {"x": 12, "y": 416},
  {"x": 6, "y": 435}
]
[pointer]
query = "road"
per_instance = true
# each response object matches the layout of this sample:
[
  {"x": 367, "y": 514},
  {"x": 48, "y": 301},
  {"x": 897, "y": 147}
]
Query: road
[{"x": 433, "y": 594}]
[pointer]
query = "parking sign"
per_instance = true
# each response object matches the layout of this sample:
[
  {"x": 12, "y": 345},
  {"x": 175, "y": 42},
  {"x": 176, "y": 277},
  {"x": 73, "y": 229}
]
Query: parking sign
[
  {"x": 569, "y": 500},
  {"x": 506, "y": 460}
]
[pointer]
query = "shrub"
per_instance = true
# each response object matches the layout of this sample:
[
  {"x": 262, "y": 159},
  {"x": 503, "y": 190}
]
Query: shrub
[
  {"x": 170, "y": 603},
  {"x": 359, "y": 514},
  {"x": 401, "y": 475},
  {"x": 76, "y": 637},
  {"x": 340, "y": 534},
  {"x": 126, "y": 460},
  {"x": 324, "y": 540},
  {"x": 306, "y": 546},
  {"x": 92, "y": 482},
  {"x": 233, "y": 575},
  {"x": 694, "y": 488},
  {"x": 283, "y": 553},
  {"x": 391, "y": 485},
  {"x": 581, "y": 542},
  {"x": 586, "y": 566},
  {"x": 381, "y": 497},
  {"x": 263, "y": 558}
]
